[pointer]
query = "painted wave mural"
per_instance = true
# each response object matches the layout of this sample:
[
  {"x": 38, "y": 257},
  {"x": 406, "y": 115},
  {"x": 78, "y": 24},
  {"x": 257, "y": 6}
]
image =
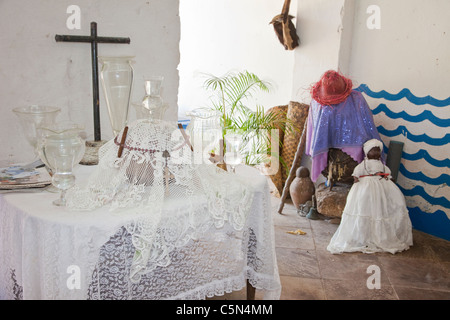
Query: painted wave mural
[
  {"x": 405, "y": 93},
  {"x": 426, "y": 195}
]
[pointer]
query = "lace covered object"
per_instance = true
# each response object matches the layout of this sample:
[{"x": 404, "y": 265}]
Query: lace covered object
[{"x": 171, "y": 199}]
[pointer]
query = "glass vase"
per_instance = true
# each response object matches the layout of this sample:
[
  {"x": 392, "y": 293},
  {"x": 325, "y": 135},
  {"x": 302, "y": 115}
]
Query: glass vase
[
  {"x": 117, "y": 79},
  {"x": 205, "y": 132},
  {"x": 61, "y": 148},
  {"x": 152, "y": 105},
  {"x": 32, "y": 117}
]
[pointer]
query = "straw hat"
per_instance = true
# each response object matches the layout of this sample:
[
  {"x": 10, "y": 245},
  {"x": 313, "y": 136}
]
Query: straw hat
[{"x": 332, "y": 88}]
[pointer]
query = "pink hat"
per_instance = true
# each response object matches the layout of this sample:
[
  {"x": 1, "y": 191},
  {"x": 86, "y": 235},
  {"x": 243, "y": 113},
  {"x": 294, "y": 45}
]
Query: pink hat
[{"x": 332, "y": 88}]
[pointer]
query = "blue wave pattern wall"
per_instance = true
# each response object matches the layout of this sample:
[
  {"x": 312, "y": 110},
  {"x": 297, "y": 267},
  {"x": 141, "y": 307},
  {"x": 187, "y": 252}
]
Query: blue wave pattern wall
[{"x": 426, "y": 196}]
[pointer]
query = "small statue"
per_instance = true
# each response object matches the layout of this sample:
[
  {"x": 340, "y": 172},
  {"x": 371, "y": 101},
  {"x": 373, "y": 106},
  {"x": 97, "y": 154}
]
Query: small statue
[{"x": 302, "y": 190}]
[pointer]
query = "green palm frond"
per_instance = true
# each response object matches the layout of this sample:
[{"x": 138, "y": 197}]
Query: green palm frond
[{"x": 232, "y": 94}]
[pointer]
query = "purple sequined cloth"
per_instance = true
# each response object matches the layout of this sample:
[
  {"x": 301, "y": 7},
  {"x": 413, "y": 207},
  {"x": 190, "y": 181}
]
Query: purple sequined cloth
[{"x": 345, "y": 126}]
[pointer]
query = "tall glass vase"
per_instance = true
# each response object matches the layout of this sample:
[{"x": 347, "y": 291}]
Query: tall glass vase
[{"x": 117, "y": 79}]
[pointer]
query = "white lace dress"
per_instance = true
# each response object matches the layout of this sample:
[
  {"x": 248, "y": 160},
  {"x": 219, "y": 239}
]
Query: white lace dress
[{"x": 375, "y": 217}]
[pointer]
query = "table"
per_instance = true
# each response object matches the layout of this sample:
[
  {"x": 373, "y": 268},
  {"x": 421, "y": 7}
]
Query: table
[{"x": 49, "y": 252}]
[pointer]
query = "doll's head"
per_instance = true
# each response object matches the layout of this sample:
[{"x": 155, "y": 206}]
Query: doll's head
[
  {"x": 374, "y": 153},
  {"x": 372, "y": 149}
]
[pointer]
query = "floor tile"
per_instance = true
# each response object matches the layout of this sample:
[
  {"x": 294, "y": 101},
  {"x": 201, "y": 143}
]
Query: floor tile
[
  {"x": 408, "y": 293},
  {"x": 309, "y": 272},
  {"x": 349, "y": 289},
  {"x": 298, "y": 288},
  {"x": 286, "y": 240},
  {"x": 417, "y": 273},
  {"x": 297, "y": 262},
  {"x": 349, "y": 266}
]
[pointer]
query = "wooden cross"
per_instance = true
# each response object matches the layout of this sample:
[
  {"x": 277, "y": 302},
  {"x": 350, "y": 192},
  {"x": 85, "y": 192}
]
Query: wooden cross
[{"x": 93, "y": 40}]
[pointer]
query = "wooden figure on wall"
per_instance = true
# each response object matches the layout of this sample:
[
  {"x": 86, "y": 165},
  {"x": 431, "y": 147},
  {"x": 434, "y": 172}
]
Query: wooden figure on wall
[{"x": 285, "y": 29}]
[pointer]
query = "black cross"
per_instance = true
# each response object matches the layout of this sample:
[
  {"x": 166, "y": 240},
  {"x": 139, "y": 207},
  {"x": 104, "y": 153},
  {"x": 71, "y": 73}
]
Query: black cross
[{"x": 93, "y": 40}]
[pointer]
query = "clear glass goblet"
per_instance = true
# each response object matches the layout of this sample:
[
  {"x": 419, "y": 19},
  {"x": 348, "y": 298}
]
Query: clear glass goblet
[
  {"x": 233, "y": 155},
  {"x": 61, "y": 148},
  {"x": 32, "y": 117}
]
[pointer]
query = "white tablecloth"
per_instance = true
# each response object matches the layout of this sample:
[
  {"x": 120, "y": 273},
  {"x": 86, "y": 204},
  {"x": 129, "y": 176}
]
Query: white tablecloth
[{"x": 49, "y": 252}]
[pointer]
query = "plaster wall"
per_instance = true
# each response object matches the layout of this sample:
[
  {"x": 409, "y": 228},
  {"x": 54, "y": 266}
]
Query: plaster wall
[
  {"x": 319, "y": 26},
  {"x": 35, "y": 69}
]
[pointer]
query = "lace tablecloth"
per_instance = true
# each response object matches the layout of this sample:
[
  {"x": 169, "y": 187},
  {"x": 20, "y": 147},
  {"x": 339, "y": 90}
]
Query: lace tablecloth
[{"x": 48, "y": 252}]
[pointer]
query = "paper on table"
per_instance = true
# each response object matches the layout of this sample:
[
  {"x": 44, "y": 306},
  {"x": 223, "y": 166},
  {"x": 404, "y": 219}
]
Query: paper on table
[{"x": 15, "y": 177}]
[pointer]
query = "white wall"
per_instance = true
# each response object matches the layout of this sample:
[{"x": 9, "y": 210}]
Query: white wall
[
  {"x": 35, "y": 69},
  {"x": 319, "y": 24},
  {"x": 411, "y": 50},
  {"x": 413, "y": 41},
  {"x": 224, "y": 35}
]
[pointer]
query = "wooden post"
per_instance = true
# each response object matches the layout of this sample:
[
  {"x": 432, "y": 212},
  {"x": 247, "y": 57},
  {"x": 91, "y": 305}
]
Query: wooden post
[{"x": 251, "y": 291}]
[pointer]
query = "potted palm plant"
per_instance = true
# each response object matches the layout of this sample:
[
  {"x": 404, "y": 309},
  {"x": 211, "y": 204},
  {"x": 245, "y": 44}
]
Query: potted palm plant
[{"x": 232, "y": 95}]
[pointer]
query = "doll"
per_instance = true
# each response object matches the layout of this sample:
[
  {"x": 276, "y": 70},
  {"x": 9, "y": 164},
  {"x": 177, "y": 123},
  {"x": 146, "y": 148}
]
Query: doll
[{"x": 375, "y": 217}]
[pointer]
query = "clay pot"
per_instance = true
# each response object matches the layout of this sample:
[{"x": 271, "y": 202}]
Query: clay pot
[{"x": 302, "y": 188}]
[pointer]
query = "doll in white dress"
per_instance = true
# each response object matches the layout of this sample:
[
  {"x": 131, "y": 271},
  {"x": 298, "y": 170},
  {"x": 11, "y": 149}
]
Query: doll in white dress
[{"x": 375, "y": 217}]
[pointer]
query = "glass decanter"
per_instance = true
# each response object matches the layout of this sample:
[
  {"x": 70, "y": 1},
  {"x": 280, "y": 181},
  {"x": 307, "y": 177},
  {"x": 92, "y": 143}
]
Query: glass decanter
[
  {"x": 61, "y": 148},
  {"x": 117, "y": 79},
  {"x": 152, "y": 105}
]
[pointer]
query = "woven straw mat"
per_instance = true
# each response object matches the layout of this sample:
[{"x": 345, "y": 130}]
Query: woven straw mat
[{"x": 298, "y": 113}]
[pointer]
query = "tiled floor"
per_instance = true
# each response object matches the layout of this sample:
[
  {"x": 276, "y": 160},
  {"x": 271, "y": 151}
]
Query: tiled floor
[{"x": 309, "y": 272}]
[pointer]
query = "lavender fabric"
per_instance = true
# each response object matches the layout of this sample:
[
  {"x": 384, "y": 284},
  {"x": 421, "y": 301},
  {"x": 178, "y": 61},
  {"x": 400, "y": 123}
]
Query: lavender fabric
[{"x": 345, "y": 126}]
